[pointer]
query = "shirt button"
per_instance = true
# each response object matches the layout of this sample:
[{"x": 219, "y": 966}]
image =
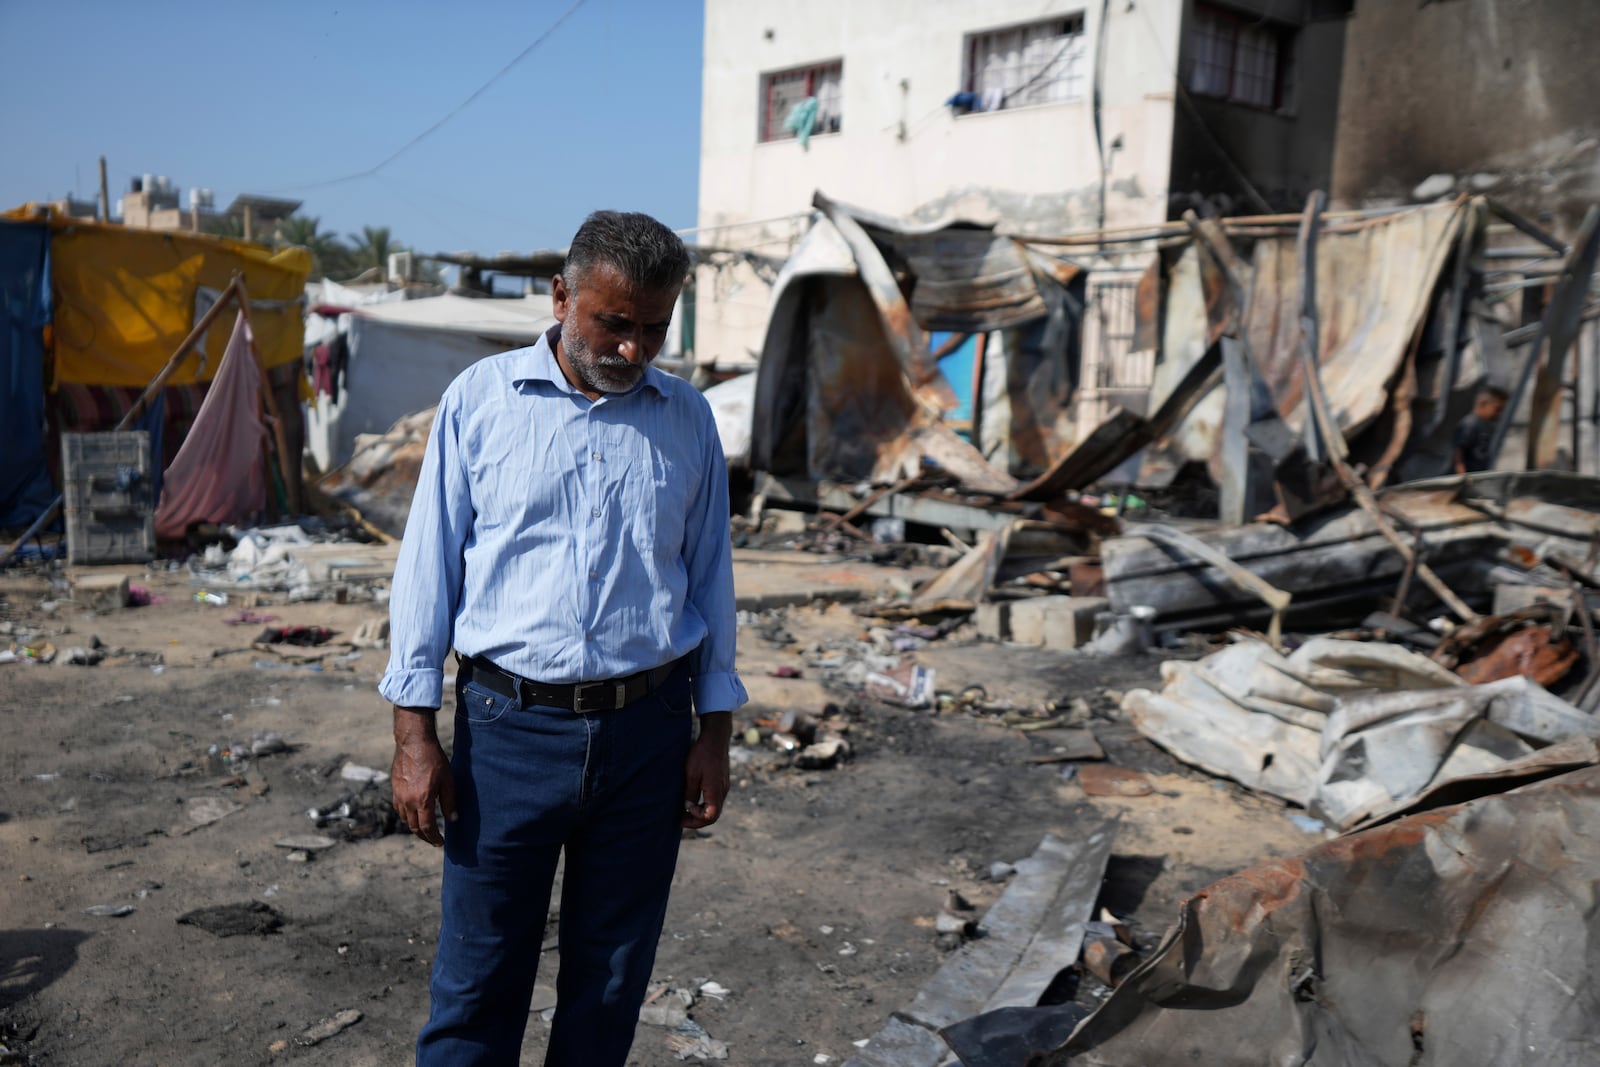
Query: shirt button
[
  {"x": 594, "y": 574},
  {"x": 596, "y": 457},
  {"x": 588, "y": 637},
  {"x": 596, "y": 513}
]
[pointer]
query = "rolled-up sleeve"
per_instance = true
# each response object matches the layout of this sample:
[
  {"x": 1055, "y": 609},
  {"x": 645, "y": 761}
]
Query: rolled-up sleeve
[
  {"x": 428, "y": 574},
  {"x": 708, "y": 557}
]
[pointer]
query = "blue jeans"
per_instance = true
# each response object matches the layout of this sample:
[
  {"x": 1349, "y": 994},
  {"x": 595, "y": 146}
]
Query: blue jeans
[{"x": 606, "y": 787}]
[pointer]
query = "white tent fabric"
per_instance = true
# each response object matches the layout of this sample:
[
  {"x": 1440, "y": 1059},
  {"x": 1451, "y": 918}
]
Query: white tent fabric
[{"x": 403, "y": 355}]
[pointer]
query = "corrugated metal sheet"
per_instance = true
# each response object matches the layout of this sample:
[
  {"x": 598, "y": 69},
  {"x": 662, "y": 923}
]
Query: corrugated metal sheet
[{"x": 1465, "y": 935}]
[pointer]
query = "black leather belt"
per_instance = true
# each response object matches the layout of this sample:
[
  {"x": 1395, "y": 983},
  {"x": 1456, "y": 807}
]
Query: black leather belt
[{"x": 582, "y": 698}]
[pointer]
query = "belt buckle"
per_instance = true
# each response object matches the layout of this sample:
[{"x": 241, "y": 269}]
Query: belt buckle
[{"x": 581, "y": 691}]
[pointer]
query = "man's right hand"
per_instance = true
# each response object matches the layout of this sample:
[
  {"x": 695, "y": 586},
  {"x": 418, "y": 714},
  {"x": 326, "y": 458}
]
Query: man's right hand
[{"x": 421, "y": 774}]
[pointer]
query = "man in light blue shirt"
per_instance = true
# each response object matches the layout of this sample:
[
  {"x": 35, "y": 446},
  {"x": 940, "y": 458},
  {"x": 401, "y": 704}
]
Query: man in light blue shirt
[{"x": 569, "y": 539}]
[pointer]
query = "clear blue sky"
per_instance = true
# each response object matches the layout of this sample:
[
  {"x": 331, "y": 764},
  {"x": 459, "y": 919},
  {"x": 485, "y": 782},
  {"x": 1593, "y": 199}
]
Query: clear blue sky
[{"x": 274, "y": 97}]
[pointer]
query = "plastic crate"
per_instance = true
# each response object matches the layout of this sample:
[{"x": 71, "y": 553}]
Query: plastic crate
[{"x": 106, "y": 497}]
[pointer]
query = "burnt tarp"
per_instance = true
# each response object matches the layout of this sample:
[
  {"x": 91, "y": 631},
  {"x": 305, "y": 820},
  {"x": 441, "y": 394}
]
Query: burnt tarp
[
  {"x": 1462, "y": 935},
  {"x": 854, "y": 305},
  {"x": 847, "y": 389}
]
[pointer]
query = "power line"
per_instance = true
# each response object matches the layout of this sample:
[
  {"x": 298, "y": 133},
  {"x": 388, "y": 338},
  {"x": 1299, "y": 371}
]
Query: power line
[{"x": 452, "y": 113}]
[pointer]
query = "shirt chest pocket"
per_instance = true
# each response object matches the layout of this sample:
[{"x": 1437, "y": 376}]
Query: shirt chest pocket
[{"x": 656, "y": 495}]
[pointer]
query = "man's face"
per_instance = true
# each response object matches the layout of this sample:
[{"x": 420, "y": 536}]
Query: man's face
[
  {"x": 610, "y": 328},
  {"x": 1488, "y": 408}
]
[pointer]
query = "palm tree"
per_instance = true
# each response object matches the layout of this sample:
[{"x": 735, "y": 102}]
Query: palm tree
[
  {"x": 328, "y": 254},
  {"x": 225, "y": 226},
  {"x": 372, "y": 248}
]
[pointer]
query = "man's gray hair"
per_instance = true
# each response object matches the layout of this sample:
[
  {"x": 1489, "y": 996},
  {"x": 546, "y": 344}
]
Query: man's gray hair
[{"x": 642, "y": 250}]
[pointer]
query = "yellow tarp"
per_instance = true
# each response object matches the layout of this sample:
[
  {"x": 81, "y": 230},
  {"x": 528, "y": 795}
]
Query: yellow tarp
[{"x": 125, "y": 299}]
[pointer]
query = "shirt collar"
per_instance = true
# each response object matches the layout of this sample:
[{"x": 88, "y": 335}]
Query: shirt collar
[{"x": 537, "y": 363}]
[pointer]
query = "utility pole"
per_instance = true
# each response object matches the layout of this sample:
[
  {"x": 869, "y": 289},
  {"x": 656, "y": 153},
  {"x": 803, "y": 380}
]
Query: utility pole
[{"x": 105, "y": 193}]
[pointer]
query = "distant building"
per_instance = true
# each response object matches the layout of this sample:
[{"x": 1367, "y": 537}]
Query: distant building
[
  {"x": 1042, "y": 116},
  {"x": 153, "y": 203},
  {"x": 73, "y": 207}
]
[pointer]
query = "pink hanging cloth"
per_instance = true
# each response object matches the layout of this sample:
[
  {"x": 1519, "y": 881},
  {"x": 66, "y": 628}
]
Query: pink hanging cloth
[{"x": 216, "y": 476}]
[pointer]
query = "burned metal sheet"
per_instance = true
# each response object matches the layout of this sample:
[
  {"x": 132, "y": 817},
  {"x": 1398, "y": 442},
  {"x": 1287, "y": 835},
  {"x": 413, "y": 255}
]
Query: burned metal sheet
[
  {"x": 1345, "y": 728},
  {"x": 1463, "y": 935},
  {"x": 966, "y": 280},
  {"x": 1374, "y": 282},
  {"x": 1032, "y": 932},
  {"x": 1336, "y": 564}
]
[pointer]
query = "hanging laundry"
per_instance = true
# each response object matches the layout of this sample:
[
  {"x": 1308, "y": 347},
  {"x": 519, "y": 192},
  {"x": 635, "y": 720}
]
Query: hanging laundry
[{"x": 802, "y": 120}]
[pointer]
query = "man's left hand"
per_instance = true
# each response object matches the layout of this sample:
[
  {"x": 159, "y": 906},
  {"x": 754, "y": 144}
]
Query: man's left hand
[{"x": 706, "y": 774}]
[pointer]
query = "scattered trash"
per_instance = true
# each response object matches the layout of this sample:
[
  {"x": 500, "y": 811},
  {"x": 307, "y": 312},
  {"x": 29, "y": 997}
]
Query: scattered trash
[
  {"x": 203, "y": 811},
  {"x": 999, "y": 872},
  {"x": 329, "y": 1027},
  {"x": 80, "y": 656},
  {"x": 822, "y": 755},
  {"x": 357, "y": 816},
  {"x": 786, "y": 672},
  {"x": 908, "y": 685},
  {"x": 265, "y": 744},
  {"x": 666, "y": 1006},
  {"x": 715, "y": 990},
  {"x": 234, "y": 920},
  {"x": 110, "y": 911},
  {"x": 373, "y": 633},
  {"x": 1308, "y": 823},
  {"x": 945, "y": 923},
  {"x": 247, "y": 618},
  {"x": 302, "y": 636},
  {"x": 691, "y": 1041},
  {"x": 1109, "y": 780},
  {"x": 355, "y": 772},
  {"x": 213, "y": 599},
  {"x": 306, "y": 842}
]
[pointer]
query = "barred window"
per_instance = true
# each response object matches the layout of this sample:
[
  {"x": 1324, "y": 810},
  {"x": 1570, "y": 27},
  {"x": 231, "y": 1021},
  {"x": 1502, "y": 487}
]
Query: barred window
[
  {"x": 784, "y": 90},
  {"x": 1241, "y": 59},
  {"x": 1040, "y": 63}
]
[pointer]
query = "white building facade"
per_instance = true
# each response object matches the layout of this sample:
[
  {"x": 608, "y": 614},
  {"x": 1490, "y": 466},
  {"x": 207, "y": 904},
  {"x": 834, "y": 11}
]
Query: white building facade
[
  {"x": 1046, "y": 115},
  {"x": 923, "y": 107}
]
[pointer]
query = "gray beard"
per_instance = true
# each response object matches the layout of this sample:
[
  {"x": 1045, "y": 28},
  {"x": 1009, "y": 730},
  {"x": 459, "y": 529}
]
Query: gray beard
[{"x": 611, "y": 374}]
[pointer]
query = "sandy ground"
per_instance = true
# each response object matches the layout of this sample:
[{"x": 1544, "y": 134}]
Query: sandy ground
[{"x": 811, "y": 902}]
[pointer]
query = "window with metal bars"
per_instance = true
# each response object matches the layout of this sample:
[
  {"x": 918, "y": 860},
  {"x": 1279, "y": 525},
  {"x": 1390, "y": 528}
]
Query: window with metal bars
[
  {"x": 783, "y": 91},
  {"x": 1238, "y": 58},
  {"x": 1039, "y": 63}
]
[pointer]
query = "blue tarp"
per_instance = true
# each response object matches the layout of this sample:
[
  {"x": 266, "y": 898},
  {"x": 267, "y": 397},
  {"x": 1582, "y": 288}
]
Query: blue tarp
[{"x": 25, "y": 489}]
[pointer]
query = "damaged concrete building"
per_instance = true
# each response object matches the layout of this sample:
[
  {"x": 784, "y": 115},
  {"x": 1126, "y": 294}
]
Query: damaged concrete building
[{"x": 1054, "y": 117}]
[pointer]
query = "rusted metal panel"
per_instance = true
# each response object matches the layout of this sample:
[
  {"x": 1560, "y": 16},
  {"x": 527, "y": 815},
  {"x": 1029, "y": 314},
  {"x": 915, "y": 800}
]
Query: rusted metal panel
[
  {"x": 966, "y": 280},
  {"x": 1461, "y": 935},
  {"x": 1373, "y": 287},
  {"x": 904, "y": 337}
]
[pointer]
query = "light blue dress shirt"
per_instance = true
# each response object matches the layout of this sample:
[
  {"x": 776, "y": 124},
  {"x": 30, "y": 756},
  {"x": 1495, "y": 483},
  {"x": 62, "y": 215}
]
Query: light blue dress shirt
[{"x": 566, "y": 540}]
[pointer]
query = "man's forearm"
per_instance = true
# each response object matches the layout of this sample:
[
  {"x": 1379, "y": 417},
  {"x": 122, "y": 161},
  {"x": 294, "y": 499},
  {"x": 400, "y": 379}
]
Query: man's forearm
[{"x": 415, "y": 724}]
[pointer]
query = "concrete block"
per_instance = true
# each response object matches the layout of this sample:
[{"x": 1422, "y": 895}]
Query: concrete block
[
  {"x": 1056, "y": 622},
  {"x": 786, "y": 522},
  {"x": 101, "y": 592},
  {"x": 994, "y": 621}
]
